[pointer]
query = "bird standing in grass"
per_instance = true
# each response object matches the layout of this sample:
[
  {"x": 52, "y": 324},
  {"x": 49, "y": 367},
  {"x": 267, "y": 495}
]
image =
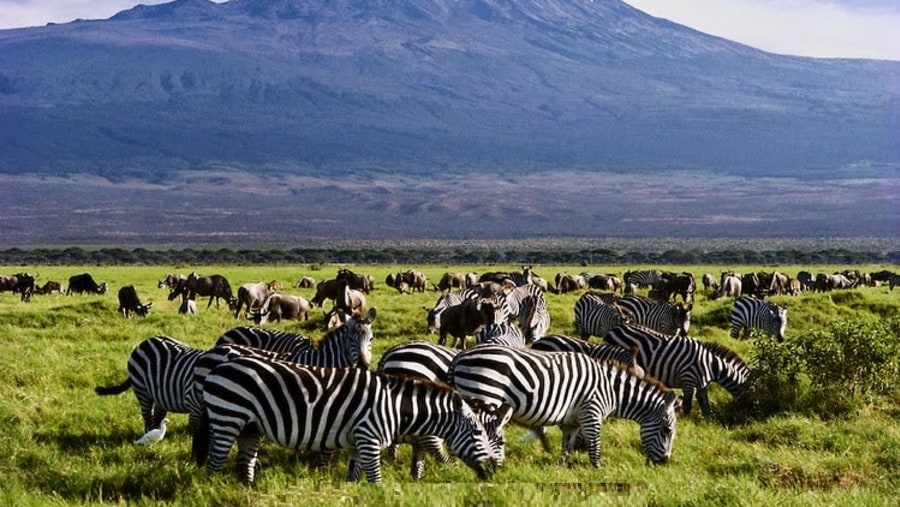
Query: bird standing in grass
[{"x": 154, "y": 435}]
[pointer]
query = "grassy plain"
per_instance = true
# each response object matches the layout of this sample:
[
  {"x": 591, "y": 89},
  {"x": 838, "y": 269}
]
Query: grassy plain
[{"x": 63, "y": 445}]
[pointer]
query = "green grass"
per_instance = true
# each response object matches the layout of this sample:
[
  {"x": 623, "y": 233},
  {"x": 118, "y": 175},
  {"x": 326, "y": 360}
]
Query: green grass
[{"x": 63, "y": 445}]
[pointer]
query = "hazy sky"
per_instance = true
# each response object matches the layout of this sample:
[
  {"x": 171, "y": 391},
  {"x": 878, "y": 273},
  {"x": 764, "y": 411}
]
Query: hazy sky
[{"x": 826, "y": 28}]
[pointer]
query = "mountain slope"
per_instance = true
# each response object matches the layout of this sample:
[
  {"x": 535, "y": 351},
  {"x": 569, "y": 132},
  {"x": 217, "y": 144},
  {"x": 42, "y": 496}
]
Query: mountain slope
[{"x": 449, "y": 117}]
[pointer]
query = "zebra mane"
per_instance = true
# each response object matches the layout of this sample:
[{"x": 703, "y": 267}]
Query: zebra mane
[
  {"x": 723, "y": 352},
  {"x": 653, "y": 381}
]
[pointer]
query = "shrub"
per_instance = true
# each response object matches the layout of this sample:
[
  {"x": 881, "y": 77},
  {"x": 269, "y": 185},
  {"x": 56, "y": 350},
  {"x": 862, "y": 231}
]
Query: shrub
[{"x": 829, "y": 372}]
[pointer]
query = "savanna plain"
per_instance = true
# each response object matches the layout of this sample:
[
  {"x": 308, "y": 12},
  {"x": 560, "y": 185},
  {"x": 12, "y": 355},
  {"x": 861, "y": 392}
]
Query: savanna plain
[{"x": 832, "y": 442}]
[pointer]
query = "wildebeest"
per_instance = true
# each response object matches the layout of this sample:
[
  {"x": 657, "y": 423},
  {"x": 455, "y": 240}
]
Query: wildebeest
[
  {"x": 250, "y": 296},
  {"x": 171, "y": 281},
  {"x": 450, "y": 281},
  {"x": 407, "y": 280},
  {"x": 84, "y": 283},
  {"x": 329, "y": 289},
  {"x": 463, "y": 320},
  {"x": 709, "y": 283},
  {"x": 360, "y": 282},
  {"x": 569, "y": 283},
  {"x": 282, "y": 306},
  {"x": 49, "y": 287},
  {"x": 306, "y": 282},
  {"x": 730, "y": 287},
  {"x": 22, "y": 283},
  {"x": 212, "y": 286},
  {"x": 807, "y": 282},
  {"x": 129, "y": 303}
]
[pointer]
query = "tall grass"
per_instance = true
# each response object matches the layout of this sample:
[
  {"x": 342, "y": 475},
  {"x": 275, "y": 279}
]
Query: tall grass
[{"x": 63, "y": 445}]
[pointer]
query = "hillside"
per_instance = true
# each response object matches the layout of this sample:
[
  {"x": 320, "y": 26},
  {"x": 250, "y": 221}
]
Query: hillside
[{"x": 436, "y": 117}]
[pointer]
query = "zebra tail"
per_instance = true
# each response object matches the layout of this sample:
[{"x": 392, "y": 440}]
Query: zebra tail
[
  {"x": 200, "y": 440},
  {"x": 119, "y": 389}
]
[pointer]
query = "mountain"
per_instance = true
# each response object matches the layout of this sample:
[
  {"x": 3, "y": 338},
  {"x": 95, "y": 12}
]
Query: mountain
[{"x": 442, "y": 117}]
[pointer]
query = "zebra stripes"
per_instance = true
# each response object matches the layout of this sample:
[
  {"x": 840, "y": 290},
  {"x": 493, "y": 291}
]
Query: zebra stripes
[
  {"x": 160, "y": 371},
  {"x": 659, "y": 315},
  {"x": 430, "y": 361},
  {"x": 594, "y": 315},
  {"x": 318, "y": 409},
  {"x": 534, "y": 316},
  {"x": 503, "y": 333},
  {"x": 683, "y": 362},
  {"x": 644, "y": 278},
  {"x": 599, "y": 351},
  {"x": 570, "y": 390},
  {"x": 750, "y": 312},
  {"x": 347, "y": 345}
]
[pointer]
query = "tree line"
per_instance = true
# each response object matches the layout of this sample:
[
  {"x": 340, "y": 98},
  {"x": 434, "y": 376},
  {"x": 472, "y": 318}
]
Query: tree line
[{"x": 388, "y": 255}]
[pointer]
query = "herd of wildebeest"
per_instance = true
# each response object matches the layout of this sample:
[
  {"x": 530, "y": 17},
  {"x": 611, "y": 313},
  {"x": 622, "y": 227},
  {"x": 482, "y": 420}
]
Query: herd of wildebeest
[{"x": 645, "y": 353}]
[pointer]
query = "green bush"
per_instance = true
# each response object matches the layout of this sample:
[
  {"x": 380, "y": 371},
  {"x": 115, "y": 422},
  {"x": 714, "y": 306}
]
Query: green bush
[{"x": 827, "y": 372}]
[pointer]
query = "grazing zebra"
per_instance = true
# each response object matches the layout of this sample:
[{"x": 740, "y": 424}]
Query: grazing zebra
[
  {"x": 321, "y": 409},
  {"x": 659, "y": 315},
  {"x": 503, "y": 333},
  {"x": 160, "y": 371},
  {"x": 430, "y": 361},
  {"x": 534, "y": 316},
  {"x": 347, "y": 345},
  {"x": 683, "y": 362},
  {"x": 749, "y": 312},
  {"x": 570, "y": 390},
  {"x": 433, "y": 317},
  {"x": 594, "y": 316},
  {"x": 599, "y": 351},
  {"x": 643, "y": 278}
]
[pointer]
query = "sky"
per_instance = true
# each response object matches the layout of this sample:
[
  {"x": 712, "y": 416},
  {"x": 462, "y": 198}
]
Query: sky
[{"x": 820, "y": 28}]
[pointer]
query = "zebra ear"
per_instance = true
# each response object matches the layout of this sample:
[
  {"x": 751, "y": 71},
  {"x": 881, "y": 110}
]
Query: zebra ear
[
  {"x": 672, "y": 398},
  {"x": 370, "y": 317}
]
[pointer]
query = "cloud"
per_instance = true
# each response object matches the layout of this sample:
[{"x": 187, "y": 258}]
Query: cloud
[{"x": 822, "y": 28}]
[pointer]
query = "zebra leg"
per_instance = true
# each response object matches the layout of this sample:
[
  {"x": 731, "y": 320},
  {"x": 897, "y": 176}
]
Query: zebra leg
[
  {"x": 703, "y": 401},
  {"x": 392, "y": 451},
  {"x": 220, "y": 442},
  {"x": 570, "y": 435},
  {"x": 541, "y": 433},
  {"x": 687, "y": 400},
  {"x": 248, "y": 449},
  {"x": 368, "y": 455},
  {"x": 354, "y": 469}
]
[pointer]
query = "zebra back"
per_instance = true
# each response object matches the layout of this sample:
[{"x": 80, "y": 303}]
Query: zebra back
[
  {"x": 503, "y": 333},
  {"x": 599, "y": 351},
  {"x": 659, "y": 315},
  {"x": 749, "y": 312},
  {"x": 261, "y": 338},
  {"x": 426, "y": 360},
  {"x": 330, "y": 408}
]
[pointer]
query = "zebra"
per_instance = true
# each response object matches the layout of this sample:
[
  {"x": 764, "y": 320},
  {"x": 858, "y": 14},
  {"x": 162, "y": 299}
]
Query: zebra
[
  {"x": 643, "y": 278},
  {"x": 321, "y": 409},
  {"x": 594, "y": 316},
  {"x": 662, "y": 316},
  {"x": 160, "y": 371},
  {"x": 503, "y": 333},
  {"x": 534, "y": 316},
  {"x": 749, "y": 312},
  {"x": 349, "y": 344},
  {"x": 570, "y": 390},
  {"x": 684, "y": 362},
  {"x": 433, "y": 317},
  {"x": 430, "y": 361},
  {"x": 600, "y": 351}
]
